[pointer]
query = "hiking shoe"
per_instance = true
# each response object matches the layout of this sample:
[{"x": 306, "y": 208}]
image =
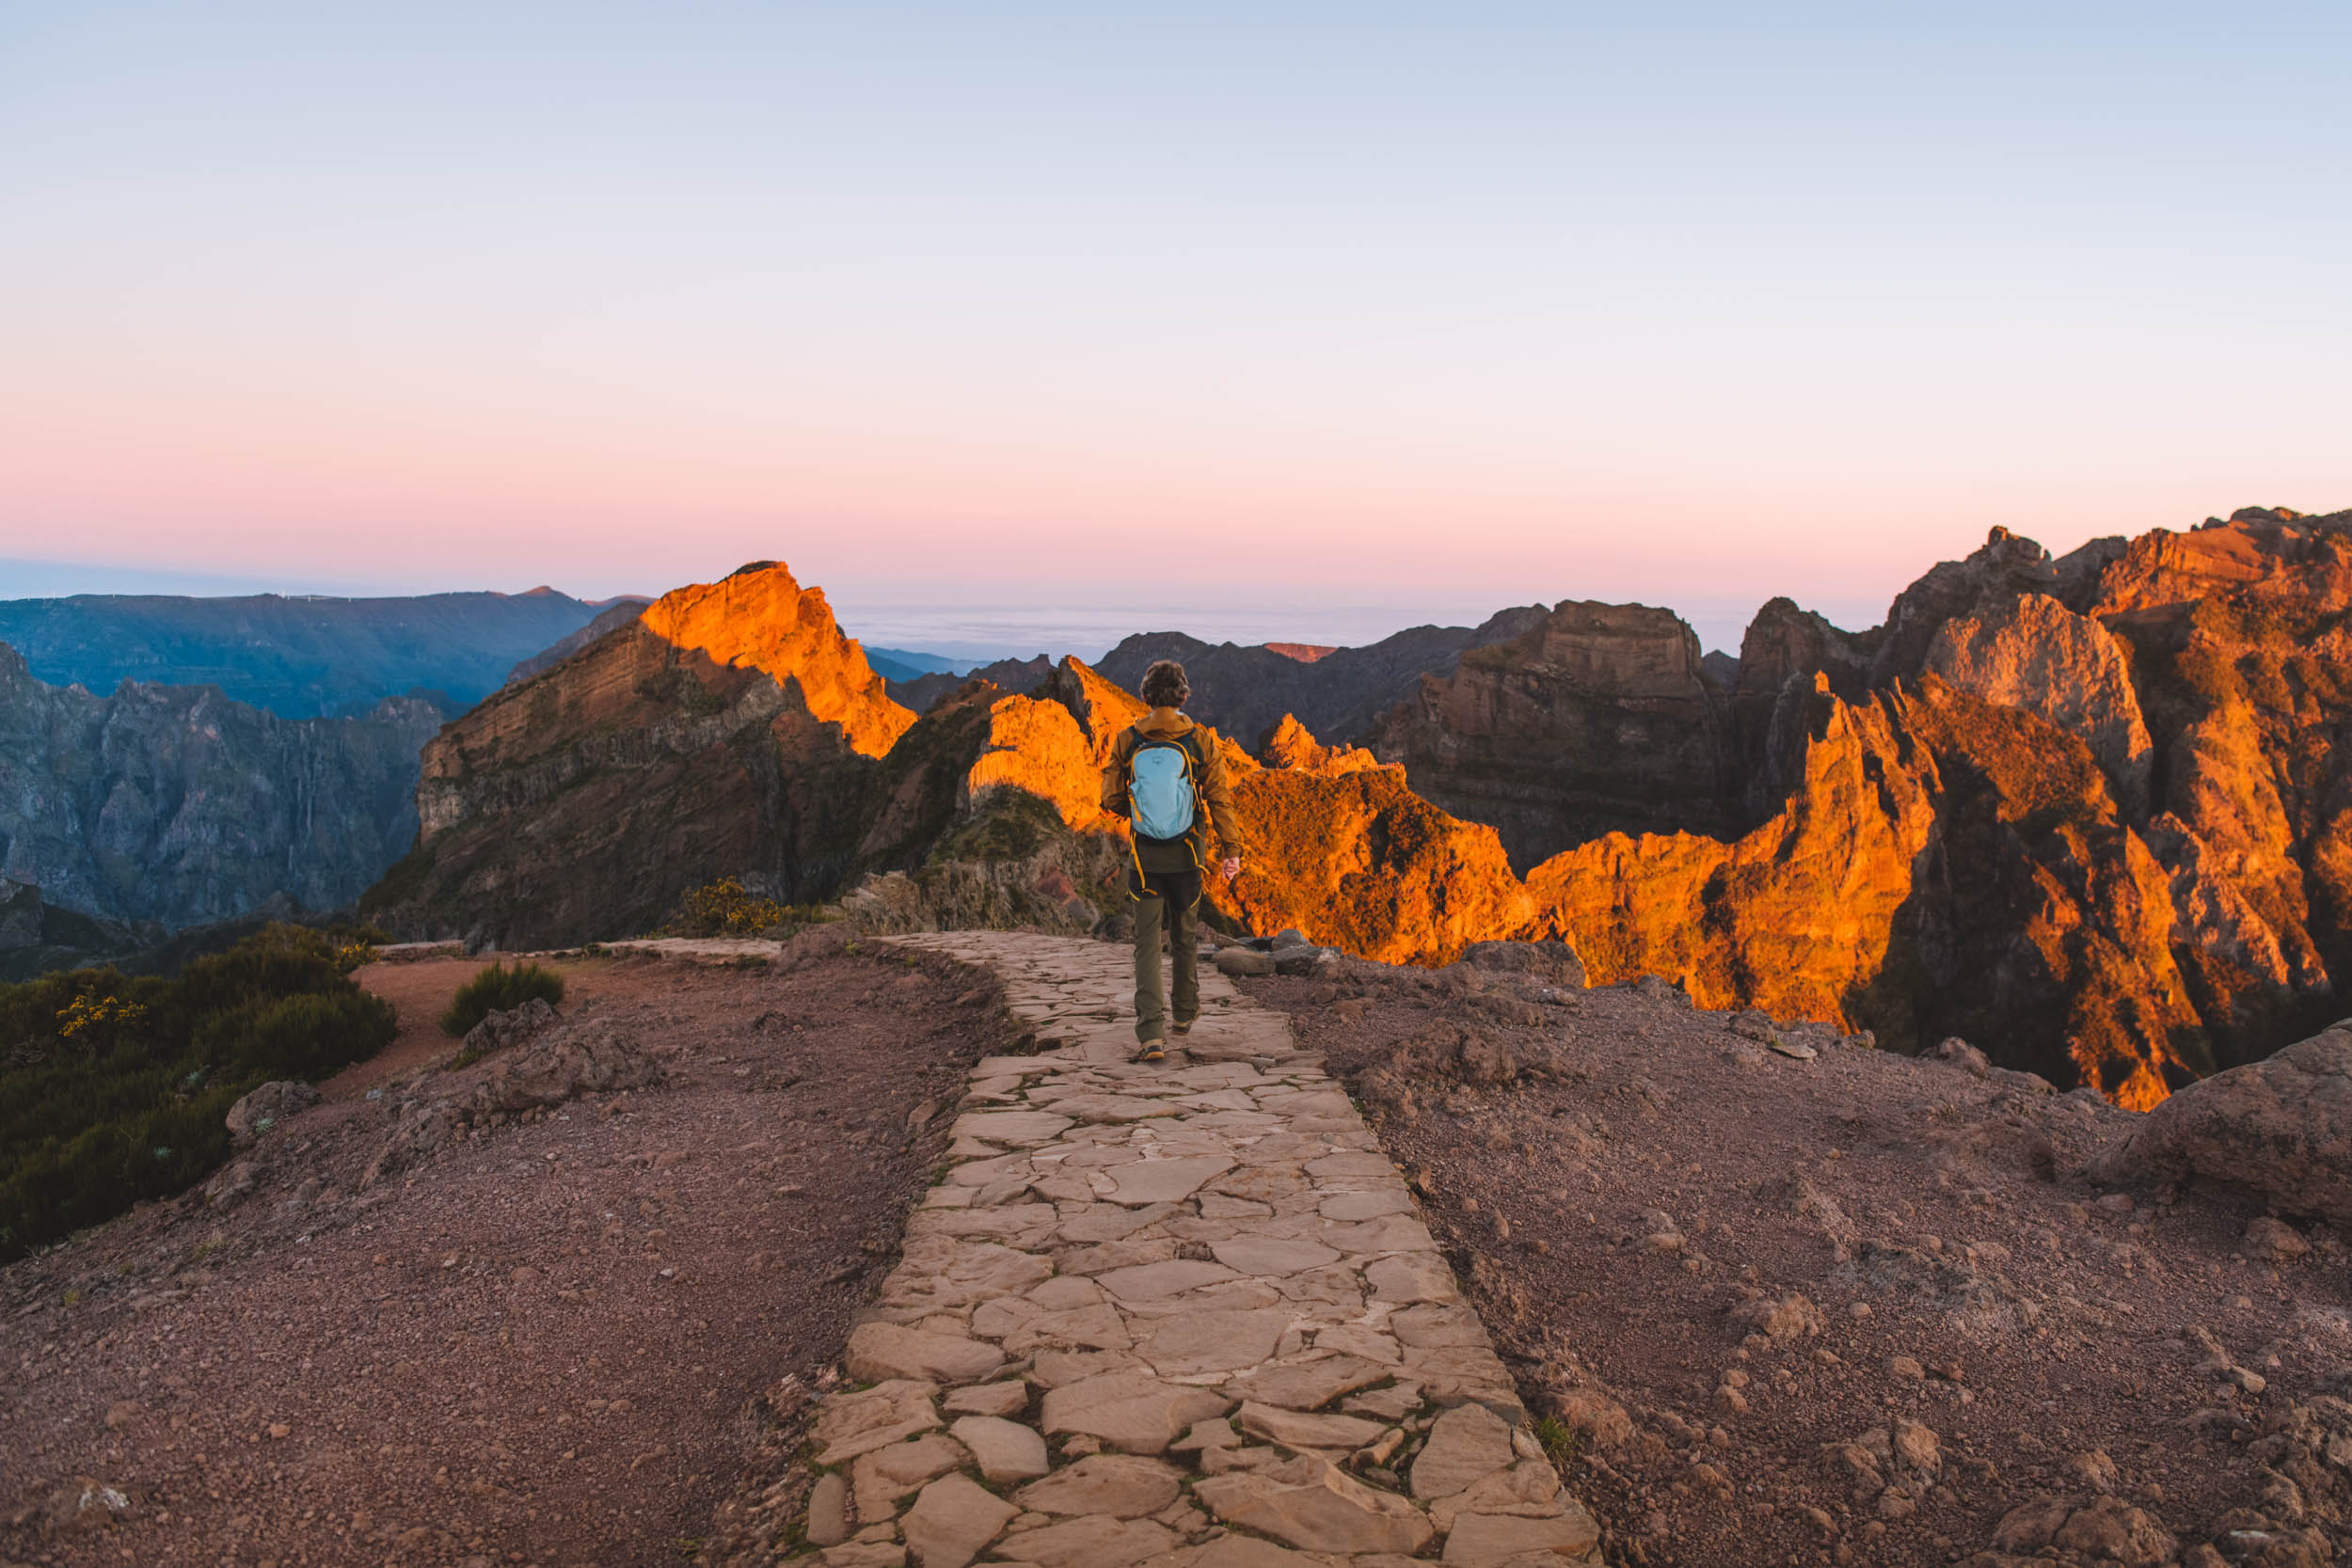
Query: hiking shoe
[
  {"x": 1182, "y": 1026},
  {"x": 1152, "y": 1051}
]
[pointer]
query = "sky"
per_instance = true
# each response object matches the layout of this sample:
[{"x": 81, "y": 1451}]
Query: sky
[{"x": 1017, "y": 326}]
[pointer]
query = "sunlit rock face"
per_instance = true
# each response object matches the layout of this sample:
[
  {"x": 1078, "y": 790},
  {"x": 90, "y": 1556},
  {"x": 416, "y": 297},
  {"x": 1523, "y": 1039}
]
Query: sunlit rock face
[
  {"x": 760, "y": 619},
  {"x": 1292, "y": 746},
  {"x": 2033, "y": 653},
  {"x": 729, "y": 730},
  {"x": 2244, "y": 671},
  {"x": 1599, "y": 718},
  {"x": 2090, "y": 814}
]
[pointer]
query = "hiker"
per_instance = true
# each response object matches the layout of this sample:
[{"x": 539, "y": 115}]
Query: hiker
[{"x": 1166, "y": 778}]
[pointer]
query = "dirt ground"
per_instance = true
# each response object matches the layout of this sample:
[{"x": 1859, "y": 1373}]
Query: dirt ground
[
  {"x": 543, "y": 1344},
  {"x": 1750, "y": 1281}
]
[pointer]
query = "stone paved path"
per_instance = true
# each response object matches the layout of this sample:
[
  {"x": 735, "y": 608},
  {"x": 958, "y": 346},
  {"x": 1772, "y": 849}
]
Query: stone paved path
[{"x": 1182, "y": 1315}]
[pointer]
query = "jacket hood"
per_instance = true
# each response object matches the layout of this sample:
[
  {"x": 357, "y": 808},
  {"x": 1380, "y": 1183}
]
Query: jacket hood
[{"x": 1165, "y": 724}]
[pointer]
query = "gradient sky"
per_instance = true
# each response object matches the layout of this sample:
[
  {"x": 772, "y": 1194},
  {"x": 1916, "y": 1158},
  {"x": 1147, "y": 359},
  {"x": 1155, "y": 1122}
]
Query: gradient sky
[{"x": 1306, "y": 320}]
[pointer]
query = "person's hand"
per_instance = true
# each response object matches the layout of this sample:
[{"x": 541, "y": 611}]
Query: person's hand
[{"x": 1232, "y": 868}]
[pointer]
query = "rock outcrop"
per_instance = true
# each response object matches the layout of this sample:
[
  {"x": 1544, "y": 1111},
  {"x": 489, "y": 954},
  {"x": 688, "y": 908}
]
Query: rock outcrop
[
  {"x": 176, "y": 805},
  {"x": 2282, "y": 1127},
  {"x": 1601, "y": 719},
  {"x": 1354, "y": 859},
  {"x": 2033, "y": 653},
  {"x": 1293, "y": 746},
  {"x": 730, "y": 729}
]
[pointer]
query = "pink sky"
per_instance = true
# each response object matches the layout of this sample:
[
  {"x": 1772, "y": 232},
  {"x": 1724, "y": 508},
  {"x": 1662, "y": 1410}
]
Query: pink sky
[{"x": 1220, "y": 309}]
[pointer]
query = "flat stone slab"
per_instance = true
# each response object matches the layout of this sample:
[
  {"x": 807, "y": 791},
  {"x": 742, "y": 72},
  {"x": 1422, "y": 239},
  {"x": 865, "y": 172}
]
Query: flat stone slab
[
  {"x": 851, "y": 1424},
  {"x": 1167, "y": 1316},
  {"x": 880, "y": 1352},
  {"x": 1004, "y": 1450},
  {"x": 952, "y": 1521},
  {"x": 1165, "y": 1180},
  {"x": 1130, "y": 1410},
  {"x": 1311, "y": 1505},
  {"x": 1121, "y": 1485},
  {"x": 1466, "y": 1444}
]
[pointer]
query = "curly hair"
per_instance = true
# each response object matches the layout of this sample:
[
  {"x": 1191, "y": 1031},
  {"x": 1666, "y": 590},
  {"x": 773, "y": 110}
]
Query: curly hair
[{"x": 1164, "y": 684}]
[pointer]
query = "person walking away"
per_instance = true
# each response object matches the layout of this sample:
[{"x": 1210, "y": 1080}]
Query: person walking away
[{"x": 1168, "y": 779}]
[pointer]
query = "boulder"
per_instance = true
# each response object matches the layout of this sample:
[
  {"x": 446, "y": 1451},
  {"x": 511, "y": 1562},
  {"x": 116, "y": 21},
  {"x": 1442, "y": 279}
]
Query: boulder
[
  {"x": 584, "y": 1058},
  {"x": 1554, "y": 961},
  {"x": 2282, "y": 1127},
  {"x": 1242, "y": 961},
  {"x": 1961, "y": 1055},
  {"x": 511, "y": 1027},
  {"x": 265, "y": 1107}
]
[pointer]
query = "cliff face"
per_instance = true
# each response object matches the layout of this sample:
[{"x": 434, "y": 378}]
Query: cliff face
[
  {"x": 2091, "y": 813},
  {"x": 730, "y": 729},
  {"x": 1599, "y": 719},
  {"x": 171, "y": 804}
]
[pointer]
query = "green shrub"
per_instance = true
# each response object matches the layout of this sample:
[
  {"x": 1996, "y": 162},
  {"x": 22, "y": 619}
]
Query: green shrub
[
  {"x": 496, "y": 990},
  {"x": 305, "y": 1037},
  {"x": 113, "y": 1090}
]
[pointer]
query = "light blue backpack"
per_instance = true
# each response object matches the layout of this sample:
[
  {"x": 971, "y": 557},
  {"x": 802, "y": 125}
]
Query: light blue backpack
[{"x": 1160, "y": 793}]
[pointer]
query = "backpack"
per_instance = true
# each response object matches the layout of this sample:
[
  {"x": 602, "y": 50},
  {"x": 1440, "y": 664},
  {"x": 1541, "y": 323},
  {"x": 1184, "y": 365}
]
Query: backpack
[{"x": 1159, "y": 791}]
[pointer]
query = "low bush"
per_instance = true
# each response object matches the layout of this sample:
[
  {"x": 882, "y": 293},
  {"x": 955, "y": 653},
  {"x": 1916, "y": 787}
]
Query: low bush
[
  {"x": 496, "y": 990},
  {"x": 113, "y": 1090},
  {"x": 726, "y": 909}
]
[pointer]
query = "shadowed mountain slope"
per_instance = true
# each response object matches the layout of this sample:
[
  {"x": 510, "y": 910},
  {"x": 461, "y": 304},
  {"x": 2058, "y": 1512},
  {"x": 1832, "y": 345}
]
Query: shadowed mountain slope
[
  {"x": 729, "y": 729},
  {"x": 176, "y": 805},
  {"x": 1245, "y": 691},
  {"x": 297, "y": 658}
]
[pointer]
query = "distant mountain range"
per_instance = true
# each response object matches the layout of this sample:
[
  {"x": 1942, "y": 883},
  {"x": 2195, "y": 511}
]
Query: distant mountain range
[
  {"x": 904, "y": 664},
  {"x": 298, "y": 657},
  {"x": 2090, "y": 813},
  {"x": 175, "y": 805}
]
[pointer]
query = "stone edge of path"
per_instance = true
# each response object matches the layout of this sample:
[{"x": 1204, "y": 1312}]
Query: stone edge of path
[{"x": 1180, "y": 1315}]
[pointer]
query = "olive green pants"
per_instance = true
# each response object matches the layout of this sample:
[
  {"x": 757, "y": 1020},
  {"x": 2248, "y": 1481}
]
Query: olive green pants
[{"x": 1169, "y": 904}]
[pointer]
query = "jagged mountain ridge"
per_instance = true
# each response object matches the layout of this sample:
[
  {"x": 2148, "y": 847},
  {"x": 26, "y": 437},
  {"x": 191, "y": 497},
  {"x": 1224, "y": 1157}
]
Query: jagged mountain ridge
[
  {"x": 298, "y": 657},
  {"x": 1245, "y": 692},
  {"x": 174, "y": 804},
  {"x": 2086, "y": 812},
  {"x": 727, "y": 730}
]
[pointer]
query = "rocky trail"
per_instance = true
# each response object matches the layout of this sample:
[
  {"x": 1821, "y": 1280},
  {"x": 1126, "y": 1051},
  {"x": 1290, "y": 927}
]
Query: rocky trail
[{"x": 1184, "y": 1314}]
